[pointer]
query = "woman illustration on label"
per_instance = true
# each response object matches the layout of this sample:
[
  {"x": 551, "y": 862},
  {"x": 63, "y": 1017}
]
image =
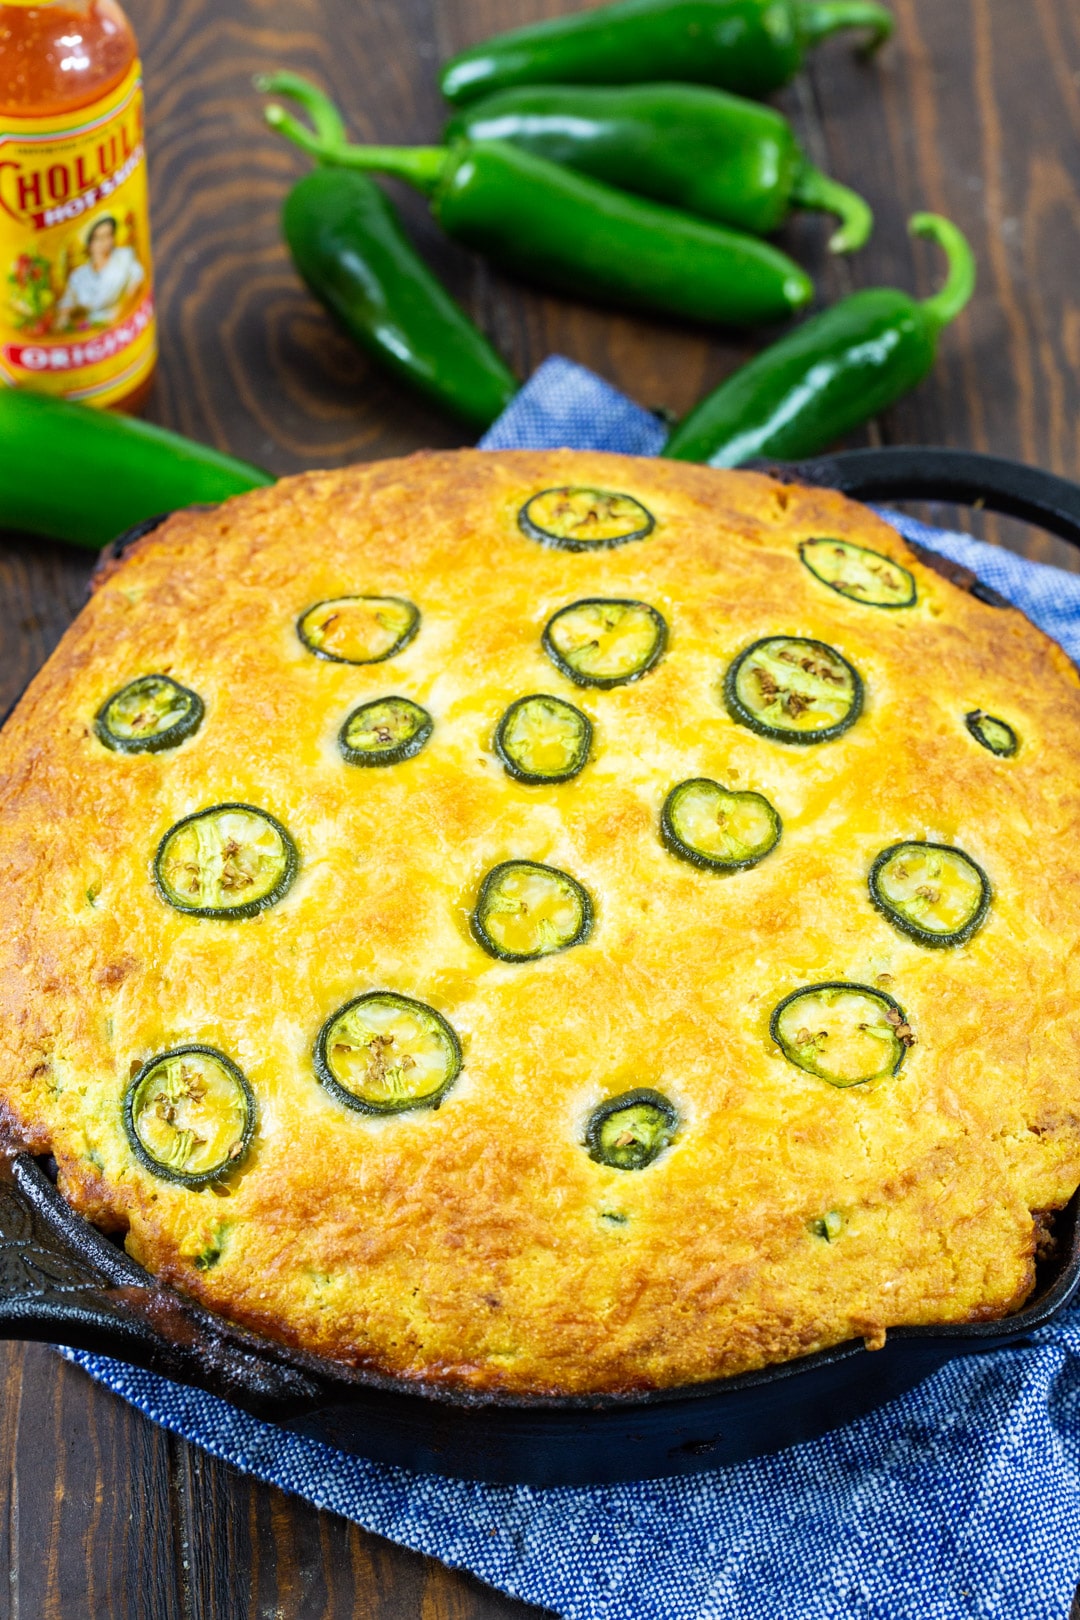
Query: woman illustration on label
[{"x": 96, "y": 291}]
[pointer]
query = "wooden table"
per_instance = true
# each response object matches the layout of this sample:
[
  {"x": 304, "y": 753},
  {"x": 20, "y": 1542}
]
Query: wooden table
[{"x": 974, "y": 111}]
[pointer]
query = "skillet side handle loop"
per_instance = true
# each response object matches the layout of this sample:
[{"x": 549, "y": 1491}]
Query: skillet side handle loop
[
  {"x": 51, "y": 1291},
  {"x": 62, "y": 1282},
  {"x": 961, "y": 477}
]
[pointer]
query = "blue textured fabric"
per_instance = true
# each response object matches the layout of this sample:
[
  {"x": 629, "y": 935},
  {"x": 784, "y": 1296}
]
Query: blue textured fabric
[
  {"x": 961, "y": 1500},
  {"x": 562, "y": 404}
]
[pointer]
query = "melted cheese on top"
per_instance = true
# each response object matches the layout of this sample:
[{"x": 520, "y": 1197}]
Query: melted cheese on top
[{"x": 479, "y": 1244}]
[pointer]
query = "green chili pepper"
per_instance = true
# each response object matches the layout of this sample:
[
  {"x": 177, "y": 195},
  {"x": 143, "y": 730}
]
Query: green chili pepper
[
  {"x": 833, "y": 372},
  {"x": 750, "y": 45},
  {"x": 698, "y": 149},
  {"x": 84, "y": 475},
  {"x": 348, "y": 244},
  {"x": 578, "y": 235}
]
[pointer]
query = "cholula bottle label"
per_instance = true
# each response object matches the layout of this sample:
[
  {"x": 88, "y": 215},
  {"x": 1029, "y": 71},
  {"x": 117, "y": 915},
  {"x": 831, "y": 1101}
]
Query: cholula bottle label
[{"x": 76, "y": 288}]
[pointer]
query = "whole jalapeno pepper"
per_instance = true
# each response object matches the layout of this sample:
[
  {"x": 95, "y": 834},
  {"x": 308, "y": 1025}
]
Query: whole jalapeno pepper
[
  {"x": 836, "y": 370},
  {"x": 699, "y": 149},
  {"x": 348, "y": 244},
  {"x": 578, "y": 235},
  {"x": 753, "y": 46},
  {"x": 74, "y": 473}
]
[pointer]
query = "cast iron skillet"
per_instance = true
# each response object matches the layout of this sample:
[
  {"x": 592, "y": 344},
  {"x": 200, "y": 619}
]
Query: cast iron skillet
[{"x": 62, "y": 1281}]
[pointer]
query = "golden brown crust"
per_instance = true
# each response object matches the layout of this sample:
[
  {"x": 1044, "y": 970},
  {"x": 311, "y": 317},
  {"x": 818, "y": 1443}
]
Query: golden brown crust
[{"x": 469, "y": 1245}]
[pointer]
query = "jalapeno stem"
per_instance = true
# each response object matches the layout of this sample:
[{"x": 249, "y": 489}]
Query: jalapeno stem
[
  {"x": 820, "y": 18},
  {"x": 420, "y": 166},
  {"x": 959, "y": 285},
  {"x": 327, "y": 120},
  {"x": 813, "y": 189}
]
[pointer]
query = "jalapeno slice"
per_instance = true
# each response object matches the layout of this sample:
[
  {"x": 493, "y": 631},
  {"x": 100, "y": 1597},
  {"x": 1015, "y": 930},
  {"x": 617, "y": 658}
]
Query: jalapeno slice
[
  {"x": 525, "y": 910},
  {"x": 358, "y": 629},
  {"x": 189, "y": 1115},
  {"x": 858, "y": 573},
  {"x": 715, "y": 828},
  {"x": 793, "y": 690},
  {"x": 543, "y": 739},
  {"x": 385, "y": 732},
  {"x": 629, "y": 1132},
  {"x": 932, "y": 892},
  {"x": 847, "y": 1034},
  {"x": 149, "y": 715},
  {"x": 229, "y": 861},
  {"x": 576, "y": 518},
  {"x": 385, "y": 1054},
  {"x": 604, "y": 641},
  {"x": 996, "y": 735},
  {"x": 828, "y": 1226}
]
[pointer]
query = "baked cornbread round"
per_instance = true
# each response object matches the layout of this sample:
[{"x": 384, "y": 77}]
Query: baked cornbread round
[{"x": 731, "y": 1021}]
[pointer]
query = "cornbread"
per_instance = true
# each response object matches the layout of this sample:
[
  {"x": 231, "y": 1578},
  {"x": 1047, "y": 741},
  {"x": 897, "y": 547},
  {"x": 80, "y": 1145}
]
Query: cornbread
[{"x": 717, "y": 1007}]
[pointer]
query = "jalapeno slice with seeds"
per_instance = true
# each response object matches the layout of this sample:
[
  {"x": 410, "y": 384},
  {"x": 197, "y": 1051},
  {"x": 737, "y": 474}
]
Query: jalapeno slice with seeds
[
  {"x": 858, "y": 573},
  {"x": 718, "y": 829},
  {"x": 996, "y": 735},
  {"x": 847, "y": 1034},
  {"x": 934, "y": 893},
  {"x": 189, "y": 1115},
  {"x": 385, "y": 1054},
  {"x": 605, "y": 641},
  {"x": 793, "y": 690},
  {"x": 543, "y": 739},
  {"x": 230, "y": 861},
  {"x": 575, "y": 518},
  {"x": 358, "y": 629},
  {"x": 629, "y": 1132},
  {"x": 525, "y": 910},
  {"x": 149, "y": 715},
  {"x": 385, "y": 732}
]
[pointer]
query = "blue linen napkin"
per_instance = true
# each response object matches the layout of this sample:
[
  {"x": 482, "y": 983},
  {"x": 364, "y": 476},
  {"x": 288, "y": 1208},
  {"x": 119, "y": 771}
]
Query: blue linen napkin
[{"x": 960, "y": 1500}]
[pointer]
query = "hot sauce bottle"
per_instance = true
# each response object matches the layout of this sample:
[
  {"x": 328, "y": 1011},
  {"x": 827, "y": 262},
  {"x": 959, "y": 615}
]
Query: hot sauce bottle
[{"x": 76, "y": 285}]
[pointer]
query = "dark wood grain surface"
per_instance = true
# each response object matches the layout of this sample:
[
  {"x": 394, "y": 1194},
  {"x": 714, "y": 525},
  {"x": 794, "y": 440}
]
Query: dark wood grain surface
[{"x": 974, "y": 111}]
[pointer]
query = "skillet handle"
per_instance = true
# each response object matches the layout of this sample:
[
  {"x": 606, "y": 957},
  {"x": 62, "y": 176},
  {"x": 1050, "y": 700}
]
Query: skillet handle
[
  {"x": 62, "y": 1282},
  {"x": 965, "y": 477},
  {"x": 51, "y": 1290}
]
